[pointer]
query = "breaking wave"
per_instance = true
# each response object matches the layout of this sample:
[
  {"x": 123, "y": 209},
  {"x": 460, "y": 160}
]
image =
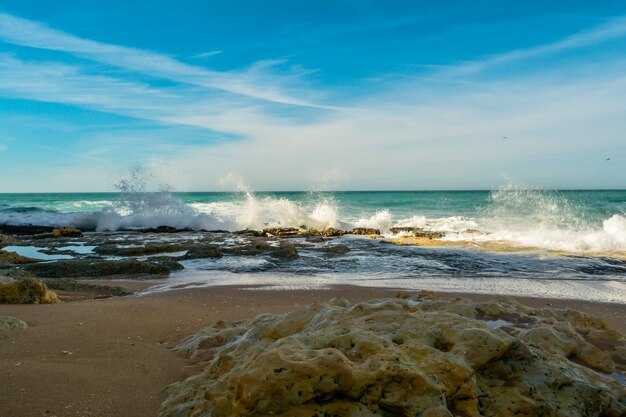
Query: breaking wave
[{"x": 516, "y": 216}]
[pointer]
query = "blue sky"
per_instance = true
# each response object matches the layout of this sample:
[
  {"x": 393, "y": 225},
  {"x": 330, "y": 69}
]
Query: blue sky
[{"x": 313, "y": 95}]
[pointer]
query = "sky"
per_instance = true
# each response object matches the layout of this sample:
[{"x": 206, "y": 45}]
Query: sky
[{"x": 312, "y": 95}]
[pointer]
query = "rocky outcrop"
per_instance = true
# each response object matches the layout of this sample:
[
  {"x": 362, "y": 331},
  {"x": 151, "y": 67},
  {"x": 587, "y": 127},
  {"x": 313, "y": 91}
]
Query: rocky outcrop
[
  {"x": 68, "y": 284},
  {"x": 409, "y": 356},
  {"x": 12, "y": 258},
  {"x": 87, "y": 268},
  {"x": 8, "y": 240},
  {"x": 8, "y": 323},
  {"x": 26, "y": 291},
  {"x": 416, "y": 232},
  {"x": 281, "y": 231},
  {"x": 27, "y": 229},
  {"x": 329, "y": 232},
  {"x": 67, "y": 232},
  {"x": 365, "y": 231}
]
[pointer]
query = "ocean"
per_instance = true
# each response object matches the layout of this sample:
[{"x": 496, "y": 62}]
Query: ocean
[{"x": 563, "y": 243}]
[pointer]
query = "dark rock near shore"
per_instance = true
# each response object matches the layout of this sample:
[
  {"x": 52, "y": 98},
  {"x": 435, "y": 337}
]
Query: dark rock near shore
[
  {"x": 253, "y": 233},
  {"x": 8, "y": 240},
  {"x": 12, "y": 258},
  {"x": 330, "y": 232},
  {"x": 336, "y": 249},
  {"x": 200, "y": 252},
  {"x": 74, "y": 268},
  {"x": 365, "y": 231},
  {"x": 281, "y": 231},
  {"x": 68, "y": 284},
  {"x": 139, "y": 250},
  {"x": 286, "y": 250},
  {"x": 27, "y": 229}
]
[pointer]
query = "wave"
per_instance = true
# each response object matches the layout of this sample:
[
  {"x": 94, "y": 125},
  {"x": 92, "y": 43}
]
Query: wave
[{"x": 519, "y": 217}]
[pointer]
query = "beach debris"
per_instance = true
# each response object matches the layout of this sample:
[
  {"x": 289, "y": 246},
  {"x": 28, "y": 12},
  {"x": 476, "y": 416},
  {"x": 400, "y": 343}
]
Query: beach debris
[
  {"x": 67, "y": 232},
  {"x": 26, "y": 291},
  {"x": 66, "y": 352},
  {"x": 418, "y": 355},
  {"x": 9, "y": 322}
]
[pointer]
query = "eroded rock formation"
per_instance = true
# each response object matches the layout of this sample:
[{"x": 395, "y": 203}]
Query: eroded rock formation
[{"x": 409, "y": 356}]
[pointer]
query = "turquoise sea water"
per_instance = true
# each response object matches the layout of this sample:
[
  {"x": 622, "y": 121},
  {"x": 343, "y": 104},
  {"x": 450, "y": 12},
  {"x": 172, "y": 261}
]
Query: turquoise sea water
[{"x": 553, "y": 243}]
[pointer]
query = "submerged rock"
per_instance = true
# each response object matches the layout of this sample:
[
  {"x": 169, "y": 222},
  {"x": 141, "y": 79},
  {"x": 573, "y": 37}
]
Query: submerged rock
[
  {"x": 285, "y": 250},
  {"x": 410, "y": 356},
  {"x": 26, "y": 291},
  {"x": 67, "y": 232},
  {"x": 338, "y": 248},
  {"x": 8, "y": 323},
  {"x": 200, "y": 252},
  {"x": 74, "y": 268}
]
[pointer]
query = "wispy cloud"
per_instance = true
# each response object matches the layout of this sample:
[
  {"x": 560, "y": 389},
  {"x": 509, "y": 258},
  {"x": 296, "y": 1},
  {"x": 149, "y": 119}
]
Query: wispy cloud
[
  {"x": 3, "y": 148},
  {"x": 611, "y": 30},
  {"x": 33, "y": 34},
  {"x": 207, "y": 54}
]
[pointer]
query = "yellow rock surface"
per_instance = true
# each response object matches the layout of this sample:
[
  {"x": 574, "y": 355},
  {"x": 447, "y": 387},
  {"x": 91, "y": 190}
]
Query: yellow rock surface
[
  {"x": 410, "y": 356},
  {"x": 26, "y": 291}
]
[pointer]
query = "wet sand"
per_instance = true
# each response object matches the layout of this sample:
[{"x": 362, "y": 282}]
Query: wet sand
[{"x": 110, "y": 357}]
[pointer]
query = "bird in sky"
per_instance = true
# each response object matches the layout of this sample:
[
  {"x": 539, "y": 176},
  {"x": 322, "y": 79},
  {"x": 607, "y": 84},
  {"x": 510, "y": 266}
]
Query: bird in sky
[{"x": 607, "y": 159}]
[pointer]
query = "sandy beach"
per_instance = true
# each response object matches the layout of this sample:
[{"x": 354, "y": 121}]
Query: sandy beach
[{"x": 111, "y": 357}]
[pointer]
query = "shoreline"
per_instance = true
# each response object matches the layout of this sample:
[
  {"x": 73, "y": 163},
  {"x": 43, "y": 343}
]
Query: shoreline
[{"x": 104, "y": 357}]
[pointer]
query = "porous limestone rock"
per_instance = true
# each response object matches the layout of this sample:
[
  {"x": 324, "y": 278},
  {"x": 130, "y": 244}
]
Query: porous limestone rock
[
  {"x": 410, "y": 356},
  {"x": 8, "y": 323},
  {"x": 26, "y": 291},
  {"x": 417, "y": 232},
  {"x": 7, "y": 240}
]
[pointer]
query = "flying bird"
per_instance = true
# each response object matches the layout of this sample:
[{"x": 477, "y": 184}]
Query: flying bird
[
  {"x": 505, "y": 137},
  {"x": 607, "y": 159}
]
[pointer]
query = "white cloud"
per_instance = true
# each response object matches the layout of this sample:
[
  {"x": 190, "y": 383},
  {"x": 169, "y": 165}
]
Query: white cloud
[
  {"x": 3, "y": 148},
  {"x": 400, "y": 138},
  {"x": 207, "y": 54},
  {"x": 32, "y": 34}
]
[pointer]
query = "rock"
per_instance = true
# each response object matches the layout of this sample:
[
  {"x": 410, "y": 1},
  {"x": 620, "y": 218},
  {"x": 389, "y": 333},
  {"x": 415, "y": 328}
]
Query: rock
[
  {"x": 26, "y": 291},
  {"x": 410, "y": 356},
  {"x": 329, "y": 232},
  {"x": 247, "y": 232},
  {"x": 138, "y": 250},
  {"x": 365, "y": 231},
  {"x": 8, "y": 323},
  {"x": 68, "y": 284},
  {"x": 67, "y": 232},
  {"x": 27, "y": 229},
  {"x": 201, "y": 252},
  {"x": 12, "y": 258},
  {"x": 337, "y": 248},
  {"x": 8, "y": 240},
  {"x": 281, "y": 231},
  {"x": 285, "y": 250},
  {"x": 75, "y": 268},
  {"x": 417, "y": 232},
  {"x": 163, "y": 229}
]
